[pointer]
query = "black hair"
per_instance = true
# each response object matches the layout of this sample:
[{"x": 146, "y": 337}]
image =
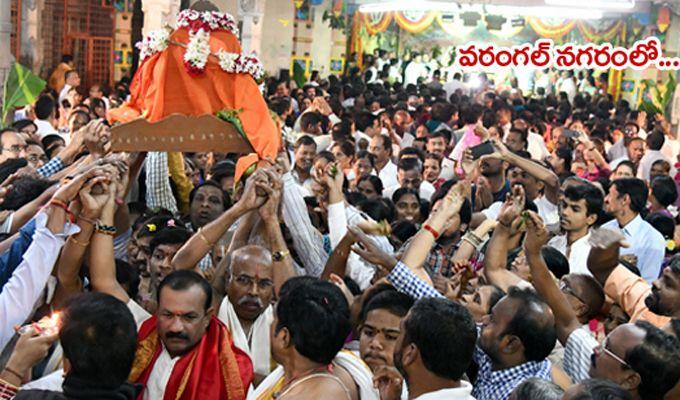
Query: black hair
[
  {"x": 472, "y": 114},
  {"x": 566, "y": 155},
  {"x": 95, "y": 102},
  {"x": 662, "y": 223},
  {"x": 656, "y": 360},
  {"x": 324, "y": 155},
  {"x": 221, "y": 170},
  {"x": 524, "y": 135},
  {"x": 378, "y": 209},
  {"x": 412, "y": 151},
  {"x": 408, "y": 164},
  {"x": 636, "y": 189},
  {"x": 536, "y": 388},
  {"x": 394, "y": 302},
  {"x": 375, "y": 181},
  {"x": 588, "y": 192},
  {"x": 316, "y": 315},
  {"x": 439, "y": 134},
  {"x": 496, "y": 295},
  {"x": 445, "y": 335},
  {"x": 24, "y": 190},
  {"x": 304, "y": 140},
  {"x": 664, "y": 164},
  {"x": 365, "y": 154},
  {"x": 309, "y": 118},
  {"x": 226, "y": 200},
  {"x": 44, "y": 107},
  {"x": 99, "y": 338},
  {"x": 403, "y": 192},
  {"x": 127, "y": 276},
  {"x": 69, "y": 73},
  {"x": 664, "y": 190},
  {"x": 655, "y": 140},
  {"x": 347, "y": 148},
  {"x": 184, "y": 279},
  {"x": 601, "y": 389},
  {"x": 153, "y": 225},
  {"x": 403, "y": 230},
  {"x": 364, "y": 120},
  {"x": 536, "y": 333},
  {"x": 279, "y": 105},
  {"x": 442, "y": 112},
  {"x": 21, "y": 124},
  {"x": 169, "y": 235},
  {"x": 10, "y": 166},
  {"x": 626, "y": 163},
  {"x": 51, "y": 139},
  {"x": 556, "y": 262},
  {"x": 66, "y": 58}
]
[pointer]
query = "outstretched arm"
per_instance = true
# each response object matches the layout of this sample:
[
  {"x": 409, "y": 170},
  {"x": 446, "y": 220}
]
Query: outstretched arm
[{"x": 537, "y": 236}]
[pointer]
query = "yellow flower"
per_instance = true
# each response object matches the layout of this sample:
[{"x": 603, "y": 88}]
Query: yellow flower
[{"x": 152, "y": 227}]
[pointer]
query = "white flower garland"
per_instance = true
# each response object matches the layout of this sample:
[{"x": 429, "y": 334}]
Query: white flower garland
[
  {"x": 208, "y": 20},
  {"x": 199, "y": 25},
  {"x": 197, "y": 52},
  {"x": 154, "y": 42},
  {"x": 241, "y": 64}
]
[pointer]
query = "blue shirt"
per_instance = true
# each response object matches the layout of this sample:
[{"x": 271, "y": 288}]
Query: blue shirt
[{"x": 12, "y": 257}]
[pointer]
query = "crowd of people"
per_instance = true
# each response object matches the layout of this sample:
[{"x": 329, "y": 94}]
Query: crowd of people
[{"x": 408, "y": 242}]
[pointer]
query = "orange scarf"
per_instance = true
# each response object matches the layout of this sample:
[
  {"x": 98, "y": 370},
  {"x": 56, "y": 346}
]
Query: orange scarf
[{"x": 213, "y": 369}]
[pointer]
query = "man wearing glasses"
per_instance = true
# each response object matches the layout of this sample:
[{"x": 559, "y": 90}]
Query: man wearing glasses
[
  {"x": 12, "y": 145},
  {"x": 639, "y": 357}
]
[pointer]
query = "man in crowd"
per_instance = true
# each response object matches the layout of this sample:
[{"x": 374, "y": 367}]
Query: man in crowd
[
  {"x": 626, "y": 199},
  {"x": 381, "y": 148},
  {"x": 410, "y": 176},
  {"x": 305, "y": 151}
]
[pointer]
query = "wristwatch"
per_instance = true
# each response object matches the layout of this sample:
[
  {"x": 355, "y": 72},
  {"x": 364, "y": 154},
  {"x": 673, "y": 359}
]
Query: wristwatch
[{"x": 278, "y": 256}]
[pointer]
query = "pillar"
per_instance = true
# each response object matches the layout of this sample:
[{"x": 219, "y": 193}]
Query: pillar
[
  {"x": 251, "y": 13},
  {"x": 6, "y": 57},
  {"x": 159, "y": 13}
]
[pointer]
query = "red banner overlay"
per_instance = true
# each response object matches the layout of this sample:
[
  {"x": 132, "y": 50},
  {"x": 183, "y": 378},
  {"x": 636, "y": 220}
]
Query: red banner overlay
[{"x": 543, "y": 54}]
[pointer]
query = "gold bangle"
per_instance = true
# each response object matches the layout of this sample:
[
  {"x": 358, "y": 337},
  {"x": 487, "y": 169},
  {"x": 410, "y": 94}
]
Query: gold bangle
[
  {"x": 79, "y": 243},
  {"x": 201, "y": 236},
  {"x": 15, "y": 373}
]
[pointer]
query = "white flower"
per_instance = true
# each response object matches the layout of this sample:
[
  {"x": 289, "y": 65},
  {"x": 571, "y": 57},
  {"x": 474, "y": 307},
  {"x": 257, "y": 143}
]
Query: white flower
[
  {"x": 227, "y": 60},
  {"x": 154, "y": 42},
  {"x": 198, "y": 49}
]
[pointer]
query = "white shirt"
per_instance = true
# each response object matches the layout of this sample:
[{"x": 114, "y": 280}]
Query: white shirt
[
  {"x": 26, "y": 284},
  {"x": 617, "y": 150},
  {"x": 536, "y": 146},
  {"x": 64, "y": 93},
  {"x": 577, "y": 253},
  {"x": 388, "y": 175},
  {"x": 464, "y": 392},
  {"x": 425, "y": 191},
  {"x": 615, "y": 163},
  {"x": 45, "y": 128},
  {"x": 646, "y": 243},
  {"x": 548, "y": 211},
  {"x": 650, "y": 157}
]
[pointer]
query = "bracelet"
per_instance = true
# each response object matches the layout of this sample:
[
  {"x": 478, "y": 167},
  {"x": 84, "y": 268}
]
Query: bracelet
[
  {"x": 88, "y": 220},
  {"x": 7, "y": 390},
  {"x": 60, "y": 204},
  {"x": 105, "y": 229},
  {"x": 205, "y": 240},
  {"x": 431, "y": 230},
  {"x": 15, "y": 373},
  {"x": 78, "y": 242}
]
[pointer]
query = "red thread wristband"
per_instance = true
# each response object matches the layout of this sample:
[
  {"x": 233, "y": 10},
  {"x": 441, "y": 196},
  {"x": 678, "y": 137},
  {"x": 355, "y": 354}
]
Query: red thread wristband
[{"x": 432, "y": 231}]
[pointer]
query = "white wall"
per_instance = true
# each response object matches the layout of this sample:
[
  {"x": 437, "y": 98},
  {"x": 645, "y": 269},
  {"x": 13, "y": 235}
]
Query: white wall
[{"x": 277, "y": 35}]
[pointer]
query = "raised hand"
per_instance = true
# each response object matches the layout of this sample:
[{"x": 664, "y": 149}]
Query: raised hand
[
  {"x": 93, "y": 202},
  {"x": 367, "y": 249},
  {"x": 251, "y": 199},
  {"x": 536, "y": 235},
  {"x": 269, "y": 211},
  {"x": 483, "y": 195},
  {"x": 604, "y": 252},
  {"x": 30, "y": 349},
  {"x": 511, "y": 215},
  {"x": 68, "y": 191}
]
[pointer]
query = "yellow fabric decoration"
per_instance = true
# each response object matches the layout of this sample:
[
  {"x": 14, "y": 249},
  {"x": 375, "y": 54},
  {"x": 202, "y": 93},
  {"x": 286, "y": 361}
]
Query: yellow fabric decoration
[{"x": 184, "y": 185}]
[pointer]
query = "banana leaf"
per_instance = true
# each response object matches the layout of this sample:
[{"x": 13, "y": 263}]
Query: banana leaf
[{"x": 21, "y": 88}]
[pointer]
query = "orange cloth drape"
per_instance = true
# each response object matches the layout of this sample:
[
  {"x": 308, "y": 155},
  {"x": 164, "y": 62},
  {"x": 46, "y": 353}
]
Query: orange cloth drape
[{"x": 162, "y": 87}]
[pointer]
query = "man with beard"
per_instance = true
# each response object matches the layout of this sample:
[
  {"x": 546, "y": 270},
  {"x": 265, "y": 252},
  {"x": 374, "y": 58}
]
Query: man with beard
[
  {"x": 580, "y": 208},
  {"x": 639, "y": 357},
  {"x": 247, "y": 309},
  {"x": 433, "y": 351},
  {"x": 380, "y": 327},
  {"x": 492, "y": 186}
]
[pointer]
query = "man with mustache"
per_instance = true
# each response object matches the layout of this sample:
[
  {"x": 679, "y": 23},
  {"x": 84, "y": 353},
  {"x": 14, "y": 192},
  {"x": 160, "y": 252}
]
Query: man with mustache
[
  {"x": 247, "y": 309},
  {"x": 639, "y": 357}
]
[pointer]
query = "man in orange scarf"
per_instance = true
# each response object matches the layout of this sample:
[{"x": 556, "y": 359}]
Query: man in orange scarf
[{"x": 184, "y": 352}]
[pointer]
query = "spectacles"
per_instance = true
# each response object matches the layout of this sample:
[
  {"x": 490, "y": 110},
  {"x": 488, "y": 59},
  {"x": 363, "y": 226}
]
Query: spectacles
[
  {"x": 16, "y": 149},
  {"x": 603, "y": 348}
]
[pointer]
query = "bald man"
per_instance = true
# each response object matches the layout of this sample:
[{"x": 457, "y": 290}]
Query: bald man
[{"x": 247, "y": 309}]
